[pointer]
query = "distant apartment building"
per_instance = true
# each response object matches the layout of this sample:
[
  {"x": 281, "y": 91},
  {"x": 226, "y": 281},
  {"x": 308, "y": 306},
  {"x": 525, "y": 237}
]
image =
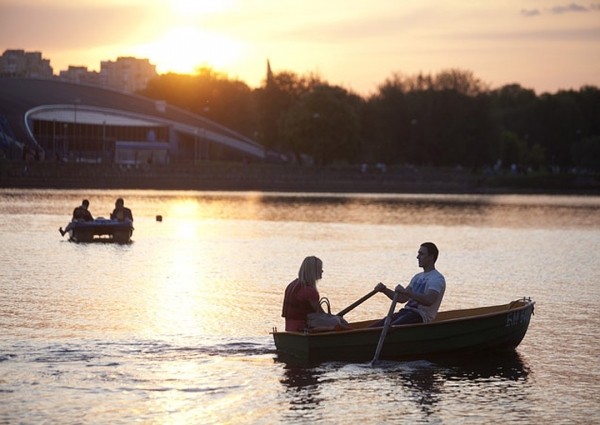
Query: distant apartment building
[
  {"x": 79, "y": 75},
  {"x": 19, "y": 63},
  {"x": 126, "y": 74}
]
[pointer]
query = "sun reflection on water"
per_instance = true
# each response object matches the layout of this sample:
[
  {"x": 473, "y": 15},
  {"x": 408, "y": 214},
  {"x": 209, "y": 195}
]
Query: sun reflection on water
[
  {"x": 189, "y": 283},
  {"x": 173, "y": 328}
]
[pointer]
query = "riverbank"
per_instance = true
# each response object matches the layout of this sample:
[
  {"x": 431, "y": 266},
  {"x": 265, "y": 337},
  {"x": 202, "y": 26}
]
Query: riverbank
[{"x": 282, "y": 178}]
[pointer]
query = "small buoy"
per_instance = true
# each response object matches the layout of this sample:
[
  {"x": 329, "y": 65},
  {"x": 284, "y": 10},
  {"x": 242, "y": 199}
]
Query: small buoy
[{"x": 159, "y": 218}]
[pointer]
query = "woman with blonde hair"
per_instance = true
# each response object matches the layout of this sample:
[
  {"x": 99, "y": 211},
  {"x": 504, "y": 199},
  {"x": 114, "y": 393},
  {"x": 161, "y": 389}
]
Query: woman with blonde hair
[{"x": 301, "y": 295}]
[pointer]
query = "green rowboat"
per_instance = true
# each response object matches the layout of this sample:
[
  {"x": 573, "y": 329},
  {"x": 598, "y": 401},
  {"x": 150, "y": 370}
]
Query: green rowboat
[{"x": 454, "y": 332}]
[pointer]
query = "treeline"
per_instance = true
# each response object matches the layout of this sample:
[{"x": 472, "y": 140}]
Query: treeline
[{"x": 447, "y": 119}]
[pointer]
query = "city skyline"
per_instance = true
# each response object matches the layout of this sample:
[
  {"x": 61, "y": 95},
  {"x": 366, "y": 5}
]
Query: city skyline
[{"x": 545, "y": 46}]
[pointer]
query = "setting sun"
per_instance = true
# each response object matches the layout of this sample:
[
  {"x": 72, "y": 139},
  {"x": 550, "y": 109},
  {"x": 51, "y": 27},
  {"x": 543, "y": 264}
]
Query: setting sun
[
  {"x": 184, "y": 49},
  {"x": 353, "y": 44},
  {"x": 199, "y": 7}
]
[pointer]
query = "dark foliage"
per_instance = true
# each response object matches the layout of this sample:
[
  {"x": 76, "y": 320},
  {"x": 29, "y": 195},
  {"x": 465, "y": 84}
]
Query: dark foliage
[{"x": 448, "y": 119}]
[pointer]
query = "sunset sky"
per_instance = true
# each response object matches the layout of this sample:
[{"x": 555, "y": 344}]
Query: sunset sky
[{"x": 545, "y": 45}]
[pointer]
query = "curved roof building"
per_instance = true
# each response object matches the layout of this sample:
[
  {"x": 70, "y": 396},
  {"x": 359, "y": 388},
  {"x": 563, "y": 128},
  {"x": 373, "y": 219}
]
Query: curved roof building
[{"x": 73, "y": 122}]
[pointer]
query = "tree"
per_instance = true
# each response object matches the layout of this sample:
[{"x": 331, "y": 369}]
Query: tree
[
  {"x": 586, "y": 154},
  {"x": 323, "y": 125},
  {"x": 210, "y": 94},
  {"x": 388, "y": 123},
  {"x": 554, "y": 122},
  {"x": 432, "y": 120},
  {"x": 517, "y": 151},
  {"x": 279, "y": 93}
]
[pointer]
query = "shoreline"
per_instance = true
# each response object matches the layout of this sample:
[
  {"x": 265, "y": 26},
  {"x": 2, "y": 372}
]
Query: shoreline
[{"x": 284, "y": 178}]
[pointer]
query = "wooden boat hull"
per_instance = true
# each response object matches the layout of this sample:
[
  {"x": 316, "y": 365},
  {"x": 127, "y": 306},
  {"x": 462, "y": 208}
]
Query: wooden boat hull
[
  {"x": 100, "y": 230},
  {"x": 453, "y": 332}
]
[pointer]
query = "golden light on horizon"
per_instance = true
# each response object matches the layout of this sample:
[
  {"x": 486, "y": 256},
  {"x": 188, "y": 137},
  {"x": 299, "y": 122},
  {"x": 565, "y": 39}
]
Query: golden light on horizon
[
  {"x": 184, "y": 44},
  {"x": 183, "y": 49},
  {"x": 353, "y": 44},
  {"x": 189, "y": 8}
]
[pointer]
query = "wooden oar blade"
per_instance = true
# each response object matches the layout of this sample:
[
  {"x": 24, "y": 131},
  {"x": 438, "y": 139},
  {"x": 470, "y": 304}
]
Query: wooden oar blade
[{"x": 386, "y": 326}]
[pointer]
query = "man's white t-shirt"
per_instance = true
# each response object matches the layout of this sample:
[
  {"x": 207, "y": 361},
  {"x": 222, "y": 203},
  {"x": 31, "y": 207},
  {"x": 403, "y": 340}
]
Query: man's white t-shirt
[{"x": 422, "y": 283}]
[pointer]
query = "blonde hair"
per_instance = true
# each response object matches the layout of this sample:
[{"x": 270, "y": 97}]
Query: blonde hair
[{"x": 310, "y": 270}]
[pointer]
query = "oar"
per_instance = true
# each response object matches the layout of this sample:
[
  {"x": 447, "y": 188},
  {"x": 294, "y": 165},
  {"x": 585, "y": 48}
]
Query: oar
[
  {"x": 386, "y": 326},
  {"x": 357, "y": 303}
]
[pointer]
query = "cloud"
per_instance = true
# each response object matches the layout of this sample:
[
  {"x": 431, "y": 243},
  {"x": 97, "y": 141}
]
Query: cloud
[
  {"x": 60, "y": 26},
  {"x": 578, "y": 35},
  {"x": 559, "y": 10},
  {"x": 367, "y": 27},
  {"x": 570, "y": 8},
  {"x": 531, "y": 12}
]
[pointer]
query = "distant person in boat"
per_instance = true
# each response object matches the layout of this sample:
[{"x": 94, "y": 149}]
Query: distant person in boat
[
  {"x": 80, "y": 213},
  {"x": 424, "y": 293},
  {"x": 301, "y": 295},
  {"x": 121, "y": 212}
]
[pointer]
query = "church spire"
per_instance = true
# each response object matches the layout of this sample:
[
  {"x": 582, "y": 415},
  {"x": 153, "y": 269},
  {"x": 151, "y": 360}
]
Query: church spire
[{"x": 270, "y": 78}]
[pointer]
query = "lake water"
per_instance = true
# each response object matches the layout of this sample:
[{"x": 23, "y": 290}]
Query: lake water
[{"x": 173, "y": 328}]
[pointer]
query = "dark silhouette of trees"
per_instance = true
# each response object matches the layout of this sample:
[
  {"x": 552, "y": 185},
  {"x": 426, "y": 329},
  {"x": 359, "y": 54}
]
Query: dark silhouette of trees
[
  {"x": 323, "y": 124},
  {"x": 280, "y": 93},
  {"x": 447, "y": 119},
  {"x": 431, "y": 120},
  {"x": 557, "y": 129},
  {"x": 210, "y": 94}
]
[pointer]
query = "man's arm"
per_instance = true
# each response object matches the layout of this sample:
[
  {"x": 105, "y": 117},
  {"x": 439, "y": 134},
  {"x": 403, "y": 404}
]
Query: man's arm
[
  {"x": 427, "y": 298},
  {"x": 390, "y": 293}
]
